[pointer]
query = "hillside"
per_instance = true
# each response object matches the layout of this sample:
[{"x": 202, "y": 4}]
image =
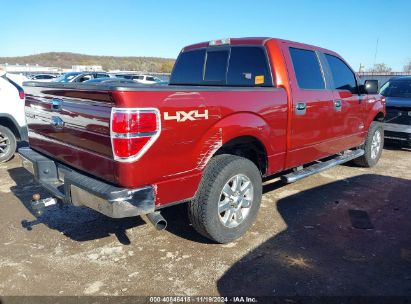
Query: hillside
[{"x": 67, "y": 60}]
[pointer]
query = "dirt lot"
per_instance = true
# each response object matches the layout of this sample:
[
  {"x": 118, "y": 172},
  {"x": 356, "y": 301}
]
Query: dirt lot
[{"x": 303, "y": 243}]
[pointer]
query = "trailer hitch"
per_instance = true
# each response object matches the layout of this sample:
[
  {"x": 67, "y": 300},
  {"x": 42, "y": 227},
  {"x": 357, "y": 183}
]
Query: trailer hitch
[{"x": 39, "y": 205}]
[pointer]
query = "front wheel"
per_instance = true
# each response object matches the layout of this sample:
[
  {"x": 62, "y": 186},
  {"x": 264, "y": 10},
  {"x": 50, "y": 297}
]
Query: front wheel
[
  {"x": 8, "y": 144},
  {"x": 373, "y": 146},
  {"x": 228, "y": 198}
]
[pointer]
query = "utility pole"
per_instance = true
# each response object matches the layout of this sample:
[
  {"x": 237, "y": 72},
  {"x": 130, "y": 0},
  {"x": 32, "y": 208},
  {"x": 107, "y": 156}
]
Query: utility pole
[{"x": 376, "y": 51}]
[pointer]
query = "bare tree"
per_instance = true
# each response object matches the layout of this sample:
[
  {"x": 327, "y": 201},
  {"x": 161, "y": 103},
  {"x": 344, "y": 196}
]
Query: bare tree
[
  {"x": 407, "y": 67},
  {"x": 380, "y": 68}
]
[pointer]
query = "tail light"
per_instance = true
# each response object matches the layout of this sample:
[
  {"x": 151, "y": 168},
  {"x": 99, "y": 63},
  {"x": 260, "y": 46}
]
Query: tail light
[
  {"x": 21, "y": 94},
  {"x": 133, "y": 131}
]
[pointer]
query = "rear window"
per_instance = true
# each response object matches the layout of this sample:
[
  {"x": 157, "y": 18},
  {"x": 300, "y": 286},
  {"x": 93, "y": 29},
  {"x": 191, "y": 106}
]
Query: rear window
[
  {"x": 216, "y": 66},
  {"x": 228, "y": 66},
  {"x": 189, "y": 68},
  {"x": 307, "y": 69}
]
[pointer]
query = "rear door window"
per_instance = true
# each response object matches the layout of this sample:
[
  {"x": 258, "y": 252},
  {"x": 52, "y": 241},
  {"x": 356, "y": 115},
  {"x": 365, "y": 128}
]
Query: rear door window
[
  {"x": 344, "y": 78},
  {"x": 248, "y": 67},
  {"x": 307, "y": 69}
]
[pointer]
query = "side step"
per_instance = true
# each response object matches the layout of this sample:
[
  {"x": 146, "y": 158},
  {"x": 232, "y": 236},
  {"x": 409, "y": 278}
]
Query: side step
[{"x": 319, "y": 167}]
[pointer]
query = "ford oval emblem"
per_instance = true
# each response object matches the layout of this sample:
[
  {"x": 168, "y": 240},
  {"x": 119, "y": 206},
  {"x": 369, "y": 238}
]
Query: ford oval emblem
[{"x": 57, "y": 122}]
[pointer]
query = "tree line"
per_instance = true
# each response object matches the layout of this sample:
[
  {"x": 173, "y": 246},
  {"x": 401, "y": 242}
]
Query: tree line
[
  {"x": 66, "y": 60},
  {"x": 384, "y": 68}
]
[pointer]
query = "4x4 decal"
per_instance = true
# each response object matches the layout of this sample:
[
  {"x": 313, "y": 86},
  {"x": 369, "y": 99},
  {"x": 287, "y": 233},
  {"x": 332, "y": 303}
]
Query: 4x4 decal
[{"x": 181, "y": 116}]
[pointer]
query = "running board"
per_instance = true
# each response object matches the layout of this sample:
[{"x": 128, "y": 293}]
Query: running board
[{"x": 319, "y": 167}]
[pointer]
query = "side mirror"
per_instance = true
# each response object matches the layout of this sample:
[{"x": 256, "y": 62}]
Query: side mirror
[{"x": 371, "y": 87}]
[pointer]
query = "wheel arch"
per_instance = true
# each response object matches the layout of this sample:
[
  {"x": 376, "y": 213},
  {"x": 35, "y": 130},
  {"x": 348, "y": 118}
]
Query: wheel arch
[
  {"x": 242, "y": 134},
  {"x": 248, "y": 147},
  {"x": 10, "y": 123}
]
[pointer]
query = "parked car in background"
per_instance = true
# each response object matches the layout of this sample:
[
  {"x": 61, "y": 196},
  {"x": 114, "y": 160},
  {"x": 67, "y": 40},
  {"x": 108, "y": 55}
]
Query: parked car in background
[
  {"x": 147, "y": 79},
  {"x": 43, "y": 77},
  {"x": 12, "y": 119},
  {"x": 397, "y": 125},
  {"x": 81, "y": 76},
  {"x": 144, "y": 79},
  {"x": 113, "y": 80}
]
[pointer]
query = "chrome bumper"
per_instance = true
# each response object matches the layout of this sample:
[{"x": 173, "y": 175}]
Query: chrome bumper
[
  {"x": 396, "y": 127},
  {"x": 78, "y": 189}
]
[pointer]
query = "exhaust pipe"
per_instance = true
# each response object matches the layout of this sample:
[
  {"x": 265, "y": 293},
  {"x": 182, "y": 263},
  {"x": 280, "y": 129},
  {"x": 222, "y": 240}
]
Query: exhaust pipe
[{"x": 157, "y": 220}]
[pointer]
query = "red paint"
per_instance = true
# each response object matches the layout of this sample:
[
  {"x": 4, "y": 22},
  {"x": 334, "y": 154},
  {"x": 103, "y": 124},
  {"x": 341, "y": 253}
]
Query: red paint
[{"x": 174, "y": 163}]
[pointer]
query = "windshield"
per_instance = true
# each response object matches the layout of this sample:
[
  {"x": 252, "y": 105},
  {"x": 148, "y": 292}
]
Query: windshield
[
  {"x": 66, "y": 77},
  {"x": 397, "y": 88}
]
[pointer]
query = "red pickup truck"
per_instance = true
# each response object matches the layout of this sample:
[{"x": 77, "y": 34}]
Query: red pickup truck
[{"x": 234, "y": 111}]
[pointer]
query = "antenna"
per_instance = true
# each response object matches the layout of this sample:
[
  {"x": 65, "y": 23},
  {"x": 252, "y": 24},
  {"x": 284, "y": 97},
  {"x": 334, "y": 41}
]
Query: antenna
[{"x": 376, "y": 51}]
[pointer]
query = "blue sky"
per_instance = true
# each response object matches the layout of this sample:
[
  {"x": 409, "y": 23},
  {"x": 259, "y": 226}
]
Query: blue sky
[{"x": 161, "y": 28}]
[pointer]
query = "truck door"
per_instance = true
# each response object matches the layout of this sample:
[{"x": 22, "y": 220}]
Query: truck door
[
  {"x": 311, "y": 120},
  {"x": 348, "y": 105}
]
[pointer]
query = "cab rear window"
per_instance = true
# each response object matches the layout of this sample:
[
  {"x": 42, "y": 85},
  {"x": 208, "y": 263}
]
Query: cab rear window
[
  {"x": 307, "y": 69},
  {"x": 216, "y": 67},
  {"x": 227, "y": 66},
  {"x": 189, "y": 68}
]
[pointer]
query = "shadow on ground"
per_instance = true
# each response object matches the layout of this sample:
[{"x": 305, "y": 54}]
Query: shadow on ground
[
  {"x": 84, "y": 224},
  {"x": 80, "y": 224},
  {"x": 321, "y": 253}
]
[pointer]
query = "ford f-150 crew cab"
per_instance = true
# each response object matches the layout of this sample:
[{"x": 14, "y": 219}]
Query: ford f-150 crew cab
[{"x": 234, "y": 111}]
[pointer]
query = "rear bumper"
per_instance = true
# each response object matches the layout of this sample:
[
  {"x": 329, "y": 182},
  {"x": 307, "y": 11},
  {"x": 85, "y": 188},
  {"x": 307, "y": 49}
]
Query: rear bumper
[{"x": 80, "y": 190}]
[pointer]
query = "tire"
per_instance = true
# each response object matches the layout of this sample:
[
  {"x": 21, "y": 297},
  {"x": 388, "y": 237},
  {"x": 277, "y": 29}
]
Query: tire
[
  {"x": 203, "y": 211},
  {"x": 372, "y": 147},
  {"x": 8, "y": 144}
]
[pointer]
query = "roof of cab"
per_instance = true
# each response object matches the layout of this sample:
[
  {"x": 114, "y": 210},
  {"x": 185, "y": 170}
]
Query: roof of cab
[
  {"x": 233, "y": 41},
  {"x": 256, "y": 41}
]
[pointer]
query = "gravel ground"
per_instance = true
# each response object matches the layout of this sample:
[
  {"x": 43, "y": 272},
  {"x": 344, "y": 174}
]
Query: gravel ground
[{"x": 308, "y": 240}]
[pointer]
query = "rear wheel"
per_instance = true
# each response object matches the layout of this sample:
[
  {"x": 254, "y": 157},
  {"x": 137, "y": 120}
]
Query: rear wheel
[
  {"x": 373, "y": 146},
  {"x": 228, "y": 198},
  {"x": 7, "y": 144}
]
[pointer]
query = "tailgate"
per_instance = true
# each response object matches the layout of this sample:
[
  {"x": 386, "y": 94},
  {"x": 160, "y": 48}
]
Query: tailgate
[{"x": 72, "y": 126}]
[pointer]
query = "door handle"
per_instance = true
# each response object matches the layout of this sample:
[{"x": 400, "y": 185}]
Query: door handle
[
  {"x": 337, "y": 104},
  {"x": 56, "y": 104},
  {"x": 300, "y": 108}
]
